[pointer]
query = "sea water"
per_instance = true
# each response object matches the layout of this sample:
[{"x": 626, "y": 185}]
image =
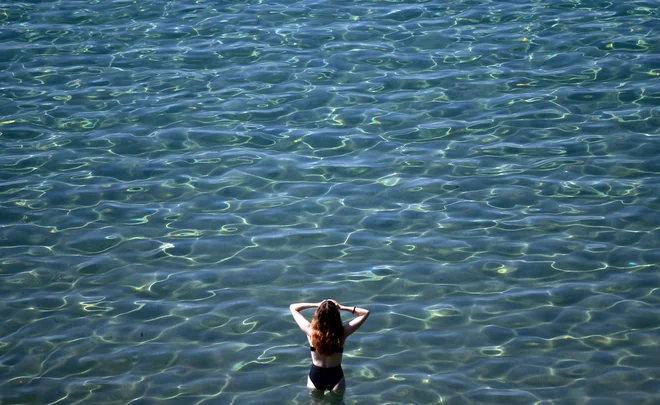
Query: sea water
[{"x": 482, "y": 175}]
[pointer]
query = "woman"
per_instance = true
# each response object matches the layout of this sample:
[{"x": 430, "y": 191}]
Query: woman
[{"x": 326, "y": 336}]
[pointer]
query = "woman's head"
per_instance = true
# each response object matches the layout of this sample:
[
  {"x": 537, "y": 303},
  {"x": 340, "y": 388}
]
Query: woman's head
[{"x": 327, "y": 329}]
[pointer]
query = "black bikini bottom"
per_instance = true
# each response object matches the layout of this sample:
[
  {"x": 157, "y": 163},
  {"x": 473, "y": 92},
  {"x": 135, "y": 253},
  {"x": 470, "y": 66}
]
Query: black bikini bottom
[{"x": 325, "y": 378}]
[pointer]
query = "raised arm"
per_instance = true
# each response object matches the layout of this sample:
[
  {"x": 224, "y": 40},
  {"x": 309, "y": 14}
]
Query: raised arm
[
  {"x": 302, "y": 322},
  {"x": 355, "y": 323}
]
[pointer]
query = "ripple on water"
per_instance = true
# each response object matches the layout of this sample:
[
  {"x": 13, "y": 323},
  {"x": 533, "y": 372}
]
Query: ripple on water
[{"x": 480, "y": 176}]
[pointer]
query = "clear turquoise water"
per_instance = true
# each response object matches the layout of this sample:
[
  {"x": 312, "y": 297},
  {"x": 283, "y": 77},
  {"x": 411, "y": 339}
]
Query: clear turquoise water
[{"x": 483, "y": 176}]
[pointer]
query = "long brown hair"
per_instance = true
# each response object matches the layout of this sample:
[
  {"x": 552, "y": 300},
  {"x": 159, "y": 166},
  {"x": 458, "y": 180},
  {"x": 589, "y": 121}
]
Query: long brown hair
[{"x": 327, "y": 329}]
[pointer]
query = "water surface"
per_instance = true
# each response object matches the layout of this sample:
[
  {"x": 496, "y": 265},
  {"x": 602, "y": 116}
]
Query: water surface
[{"x": 483, "y": 176}]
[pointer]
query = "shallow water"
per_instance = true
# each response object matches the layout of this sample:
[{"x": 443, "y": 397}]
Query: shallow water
[{"x": 483, "y": 176}]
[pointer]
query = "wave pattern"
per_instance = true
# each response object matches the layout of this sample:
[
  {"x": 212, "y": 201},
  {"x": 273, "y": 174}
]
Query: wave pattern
[{"x": 482, "y": 175}]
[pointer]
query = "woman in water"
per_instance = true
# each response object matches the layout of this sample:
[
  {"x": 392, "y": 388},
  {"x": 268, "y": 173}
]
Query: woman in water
[{"x": 326, "y": 335}]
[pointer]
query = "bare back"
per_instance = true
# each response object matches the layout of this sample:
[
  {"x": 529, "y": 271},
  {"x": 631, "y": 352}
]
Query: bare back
[{"x": 320, "y": 360}]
